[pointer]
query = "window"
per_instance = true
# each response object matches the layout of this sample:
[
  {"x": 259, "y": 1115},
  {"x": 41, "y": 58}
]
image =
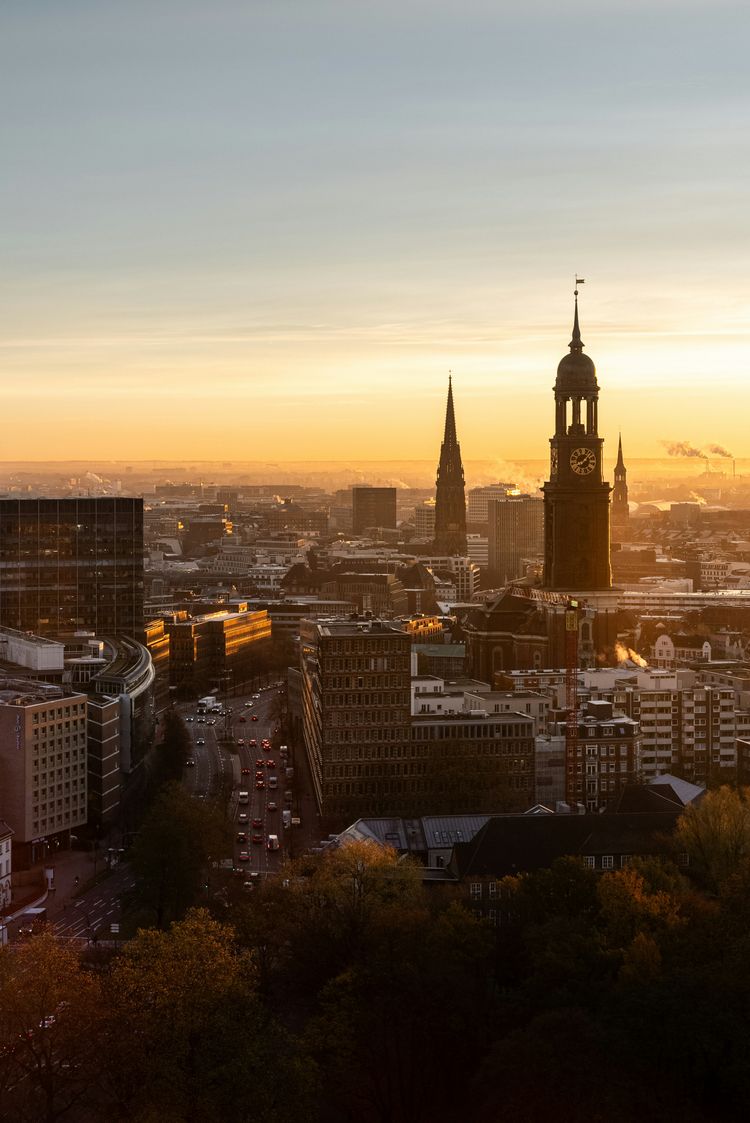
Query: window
[
  {"x": 589, "y": 862},
  {"x": 608, "y": 862},
  {"x": 475, "y": 890}
]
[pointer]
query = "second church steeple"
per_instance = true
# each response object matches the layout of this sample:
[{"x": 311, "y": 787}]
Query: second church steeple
[{"x": 450, "y": 500}]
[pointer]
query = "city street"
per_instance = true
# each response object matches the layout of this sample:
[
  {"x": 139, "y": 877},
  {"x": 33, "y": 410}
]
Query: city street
[{"x": 250, "y": 717}]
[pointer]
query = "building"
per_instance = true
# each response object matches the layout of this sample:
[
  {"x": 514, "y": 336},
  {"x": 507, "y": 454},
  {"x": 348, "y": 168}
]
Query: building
[
  {"x": 620, "y": 507},
  {"x": 450, "y": 498},
  {"x": 6, "y": 871},
  {"x": 103, "y": 759},
  {"x": 373, "y": 507},
  {"x": 516, "y": 535},
  {"x": 355, "y": 716},
  {"x": 43, "y": 769},
  {"x": 607, "y": 756},
  {"x": 72, "y": 563},
  {"x": 218, "y": 650},
  {"x": 479, "y": 498},
  {"x": 424, "y": 519},
  {"x": 576, "y": 497}
]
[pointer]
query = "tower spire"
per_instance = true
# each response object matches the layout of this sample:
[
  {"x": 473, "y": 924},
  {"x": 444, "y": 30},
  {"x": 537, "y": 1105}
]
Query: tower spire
[
  {"x": 576, "y": 343},
  {"x": 620, "y": 461}
]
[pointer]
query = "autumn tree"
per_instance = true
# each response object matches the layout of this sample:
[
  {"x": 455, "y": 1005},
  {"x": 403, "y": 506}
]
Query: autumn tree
[
  {"x": 193, "y": 1042},
  {"x": 715, "y": 834},
  {"x": 51, "y": 1015}
]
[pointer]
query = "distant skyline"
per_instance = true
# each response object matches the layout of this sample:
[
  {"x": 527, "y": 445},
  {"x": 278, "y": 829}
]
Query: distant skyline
[{"x": 249, "y": 230}]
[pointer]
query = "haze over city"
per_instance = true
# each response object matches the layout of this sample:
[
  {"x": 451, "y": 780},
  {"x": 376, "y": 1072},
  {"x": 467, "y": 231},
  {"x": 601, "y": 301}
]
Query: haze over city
[{"x": 267, "y": 231}]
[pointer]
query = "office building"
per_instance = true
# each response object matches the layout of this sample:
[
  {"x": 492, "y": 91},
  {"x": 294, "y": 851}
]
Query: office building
[
  {"x": 43, "y": 770},
  {"x": 67, "y": 564},
  {"x": 217, "y": 650},
  {"x": 516, "y": 535},
  {"x": 373, "y": 507},
  {"x": 478, "y": 499}
]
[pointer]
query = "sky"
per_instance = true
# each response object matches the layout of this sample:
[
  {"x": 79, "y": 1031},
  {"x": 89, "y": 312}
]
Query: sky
[{"x": 269, "y": 228}]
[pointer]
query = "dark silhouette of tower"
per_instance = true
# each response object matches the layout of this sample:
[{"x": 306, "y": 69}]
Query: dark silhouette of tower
[
  {"x": 576, "y": 497},
  {"x": 450, "y": 501},
  {"x": 620, "y": 508}
]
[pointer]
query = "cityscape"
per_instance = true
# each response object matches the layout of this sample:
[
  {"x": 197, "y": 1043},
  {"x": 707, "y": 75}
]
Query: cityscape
[{"x": 374, "y": 650}]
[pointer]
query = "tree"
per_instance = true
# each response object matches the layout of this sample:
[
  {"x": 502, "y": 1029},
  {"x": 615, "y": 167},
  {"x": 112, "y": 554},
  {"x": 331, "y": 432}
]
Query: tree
[
  {"x": 51, "y": 1015},
  {"x": 715, "y": 834},
  {"x": 192, "y": 1041},
  {"x": 174, "y": 850}
]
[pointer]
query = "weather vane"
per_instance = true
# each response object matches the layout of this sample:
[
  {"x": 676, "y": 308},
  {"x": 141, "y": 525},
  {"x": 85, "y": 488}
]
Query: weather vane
[{"x": 579, "y": 281}]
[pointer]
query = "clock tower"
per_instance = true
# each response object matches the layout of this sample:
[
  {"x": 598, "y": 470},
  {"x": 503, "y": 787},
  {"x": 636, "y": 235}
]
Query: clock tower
[{"x": 576, "y": 497}]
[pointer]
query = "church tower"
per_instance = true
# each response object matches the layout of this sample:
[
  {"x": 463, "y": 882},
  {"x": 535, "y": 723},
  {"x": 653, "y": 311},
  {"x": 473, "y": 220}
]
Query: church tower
[
  {"x": 450, "y": 500},
  {"x": 576, "y": 497},
  {"x": 620, "y": 508}
]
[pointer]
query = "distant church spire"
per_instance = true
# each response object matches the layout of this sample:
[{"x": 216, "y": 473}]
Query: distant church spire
[
  {"x": 450, "y": 500},
  {"x": 620, "y": 508}
]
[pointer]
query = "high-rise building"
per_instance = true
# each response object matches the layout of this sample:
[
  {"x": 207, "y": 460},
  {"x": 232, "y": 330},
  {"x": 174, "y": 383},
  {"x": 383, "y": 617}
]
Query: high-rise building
[
  {"x": 450, "y": 498},
  {"x": 373, "y": 506},
  {"x": 356, "y": 715},
  {"x": 620, "y": 508},
  {"x": 478, "y": 498},
  {"x": 516, "y": 534},
  {"x": 67, "y": 564},
  {"x": 576, "y": 497}
]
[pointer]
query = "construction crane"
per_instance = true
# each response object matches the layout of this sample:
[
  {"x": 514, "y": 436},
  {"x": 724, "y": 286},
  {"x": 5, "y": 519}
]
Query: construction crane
[{"x": 572, "y": 607}]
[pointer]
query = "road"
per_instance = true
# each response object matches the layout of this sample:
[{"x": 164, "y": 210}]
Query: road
[
  {"x": 93, "y": 912},
  {"x": 249, "y": 718}
]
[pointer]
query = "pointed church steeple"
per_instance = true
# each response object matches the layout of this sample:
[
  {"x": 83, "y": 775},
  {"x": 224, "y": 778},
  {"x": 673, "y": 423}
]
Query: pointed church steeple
[
  {"x": 450, "y": 500},
  {"x": 620, "y": 508}
]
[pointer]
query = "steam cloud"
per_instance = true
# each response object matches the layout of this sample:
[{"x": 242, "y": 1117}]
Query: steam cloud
[
  {"x": 627, "y": 655},
  {"x": 683, "y": 448},
  {"x": 719, "y": 450}
]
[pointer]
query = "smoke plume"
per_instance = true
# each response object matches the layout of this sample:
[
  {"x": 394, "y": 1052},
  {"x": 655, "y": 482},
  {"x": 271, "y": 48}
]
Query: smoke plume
[
  {"x": 719, "y": 450},
  {"x": 683, "y": 448},
  {"x": 627, "y": 655}
]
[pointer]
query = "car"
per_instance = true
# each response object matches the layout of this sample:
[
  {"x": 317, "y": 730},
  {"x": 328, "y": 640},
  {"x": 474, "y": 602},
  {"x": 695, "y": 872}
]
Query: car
[
  {"x": 259, "y": 763},
  {"x": 242, "y": 836},
  {"x": 190, "y": 763},
  {"x": 243, "y": 718},
  {"x": 243, "y": 855},
  {"x": 257, "y": 823},
  {"x": 253, "y": 742},
  {"x": 201, "y": 721},
  {"x": 259, "y": 784},
  {"x": 240, "y": 741},
  {"x": 257, "y": 839},
  {"x": 200, "y": 741},
  {"x": 271, "y": 806},
  {"x": 270, "y": 764},
  {"x": 189, "y": 719},
  {"x": 211, "y": 722},
  {"x": 256, "y": 695},
  {"x": 254, "y": 717},
  {"x": 247, "y": 705},
  {"x": 260, "y": 776},
  {"x": 246, "y": 771},
  {"x": 242, "y": 817}
]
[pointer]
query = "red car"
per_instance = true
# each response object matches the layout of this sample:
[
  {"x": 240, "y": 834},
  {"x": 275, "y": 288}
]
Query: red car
[
  {"x": 259, "y": 776},
  {"x": 260, "y": 784},
  {"x": 259, "y": 763},
  {"x": 243, "y": 719},
  {"x": 257, "y": 840},
  {"x": 254, "y": 717},
  {"x": 245, "y": 771},
  {"x": 240, "y": 741},
  {"x": 252, "y": 742},
  {"x": 257, "y": 823},
  {"x": 243, "y": 855},
  {"x": 270, "y": 764}
]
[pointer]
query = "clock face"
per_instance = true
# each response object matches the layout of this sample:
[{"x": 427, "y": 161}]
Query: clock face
[{"x": 582, "y": 461}]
